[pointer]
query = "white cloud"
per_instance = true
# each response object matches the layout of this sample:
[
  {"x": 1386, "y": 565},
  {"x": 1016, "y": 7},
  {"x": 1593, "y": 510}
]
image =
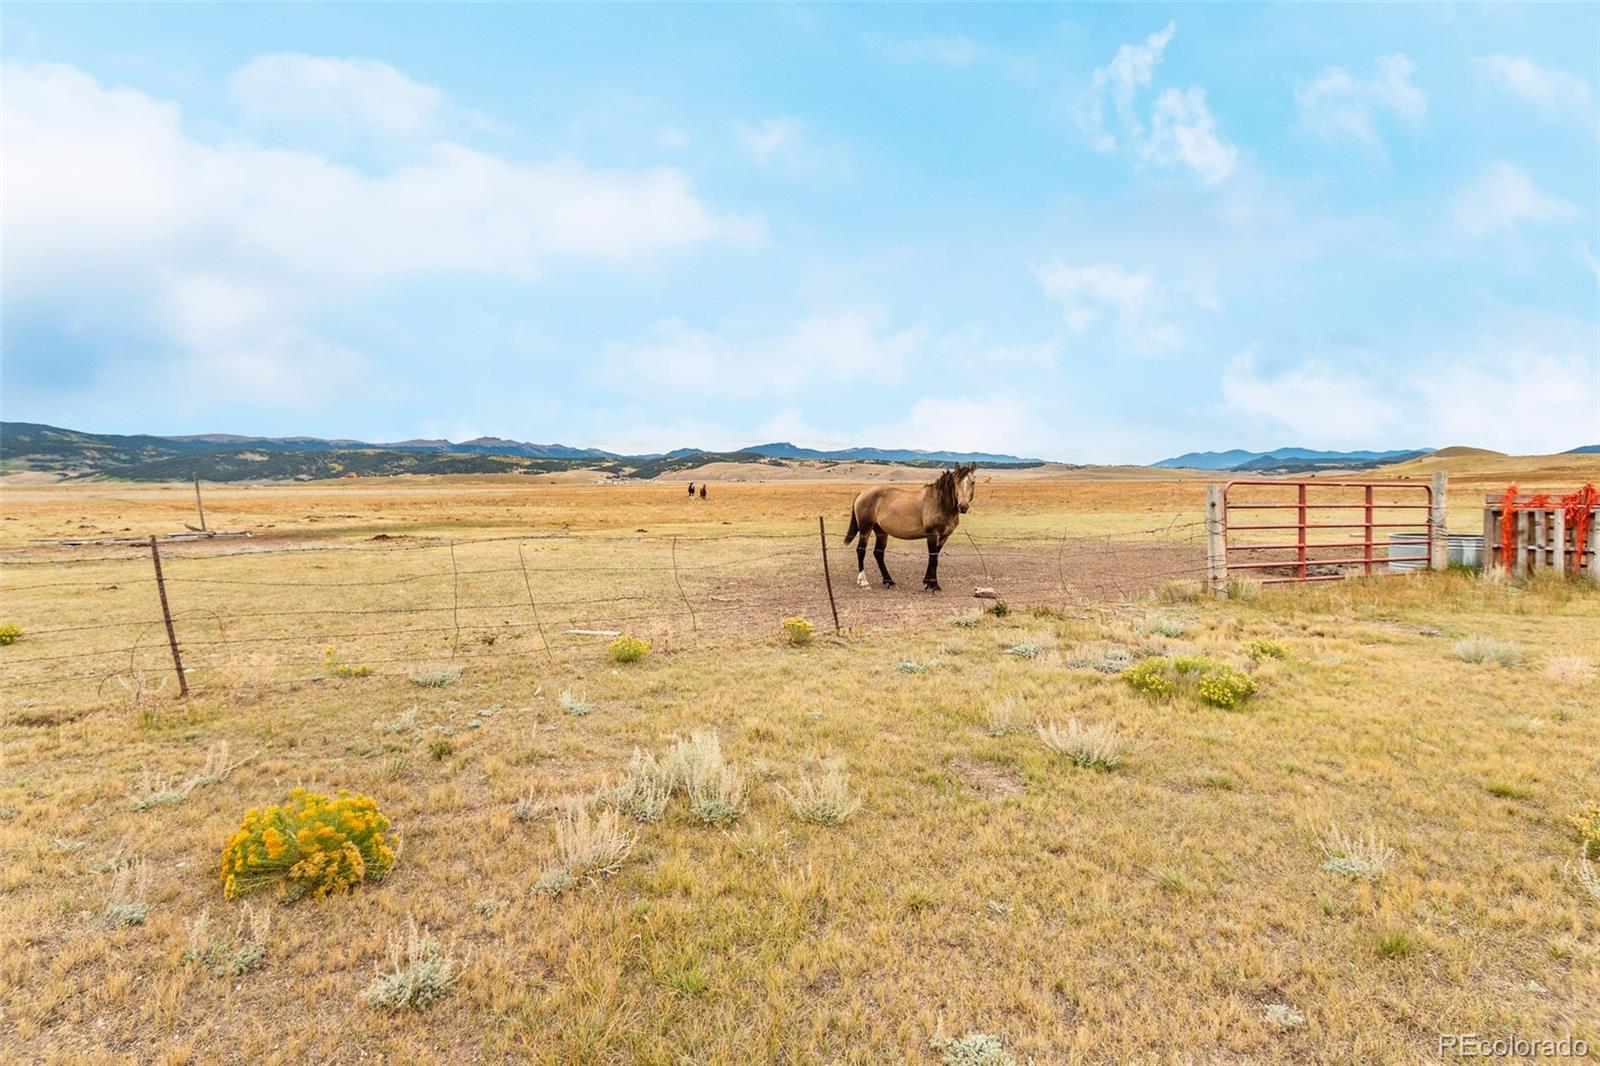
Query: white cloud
[
  {"x": 772, "y": 139},
  {"x": 952, "y": 50},
  {"x": 1130, "y": 70},
  {"x": 1181, "y": 130},
  {"x": 1128, "y": 298},
  {"x": 1482, "y": 391},
  {"x": 993, "y": 422},
  {"x": 291, "y": 89},
  {"x": 1318, "y": 401},
  {"x": 672, "y": 139},
  {"x": 228, "y": 251},
  {"x": 1554, "y": 92},
  {"x": 1502, "y": 198},
  {"x": 819, "y": 353},
  {"x": 1338, "y": 104}
]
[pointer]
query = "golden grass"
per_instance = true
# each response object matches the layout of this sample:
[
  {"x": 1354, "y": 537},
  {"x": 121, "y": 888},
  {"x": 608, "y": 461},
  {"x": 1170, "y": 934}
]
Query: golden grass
[{"x": 984, "y": 886}]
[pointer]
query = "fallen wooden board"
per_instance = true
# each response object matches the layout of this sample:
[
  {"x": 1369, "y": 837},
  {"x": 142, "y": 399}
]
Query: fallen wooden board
[{"x": 594, "y": 633}]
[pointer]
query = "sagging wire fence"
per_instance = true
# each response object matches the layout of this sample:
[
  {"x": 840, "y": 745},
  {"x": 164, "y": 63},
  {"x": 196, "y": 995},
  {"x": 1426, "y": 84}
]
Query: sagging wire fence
[{"x": 220, "y": 619}]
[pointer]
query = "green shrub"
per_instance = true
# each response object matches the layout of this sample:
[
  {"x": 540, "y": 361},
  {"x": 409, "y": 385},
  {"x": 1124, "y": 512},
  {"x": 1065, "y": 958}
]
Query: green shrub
[
  {"x": 1488, "y": 650},
  {"x": 418, "y": 974},
  {"x": 10, "y": 633},
  {"x": 999, "y": 609},
  {"x": 230, "y": 956},
  {"x": 629, "y": 649}
]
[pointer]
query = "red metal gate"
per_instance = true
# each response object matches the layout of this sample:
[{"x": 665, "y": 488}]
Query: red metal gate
[{"x": 1298, "y": 539}]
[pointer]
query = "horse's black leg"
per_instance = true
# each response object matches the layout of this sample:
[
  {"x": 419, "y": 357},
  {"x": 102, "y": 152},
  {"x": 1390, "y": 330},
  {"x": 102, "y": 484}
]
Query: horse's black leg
[
  {"x": 861, "y": 561},
  {"x": 877, "y": 553},
  {"x": 930, "y": 580}
]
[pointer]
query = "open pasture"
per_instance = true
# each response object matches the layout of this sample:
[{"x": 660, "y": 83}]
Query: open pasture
[{"x": 1374, "y": 848}]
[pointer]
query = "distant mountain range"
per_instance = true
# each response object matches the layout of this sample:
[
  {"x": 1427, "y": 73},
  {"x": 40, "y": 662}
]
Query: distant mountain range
[
  {"x": 1587, "y": 449},
  {"x": 1297, "y": 460},
  {"x": 230, "y": 457}
]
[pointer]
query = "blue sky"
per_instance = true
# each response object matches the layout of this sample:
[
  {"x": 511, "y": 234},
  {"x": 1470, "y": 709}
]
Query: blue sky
[{"x": 1095, "y": 234}]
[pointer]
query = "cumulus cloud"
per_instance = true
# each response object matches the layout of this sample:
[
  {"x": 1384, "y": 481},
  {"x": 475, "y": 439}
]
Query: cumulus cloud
[
  {"x": 363, "y": 94},
  {"x": 113, "y": 208},
  {"x": 1527, "y": 384},
  {"x": 820, "y": 353},
  {"x": 1555, "y": 92},
  {"x": 1088, "y": 294},
  {"x": 1337, "y": 104},
  {"x": 1180, "y": 131},
  {"x": 1501, "y": 199}
]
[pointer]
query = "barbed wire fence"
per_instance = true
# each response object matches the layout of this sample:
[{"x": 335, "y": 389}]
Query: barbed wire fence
[{"x": 294, "y": 614}]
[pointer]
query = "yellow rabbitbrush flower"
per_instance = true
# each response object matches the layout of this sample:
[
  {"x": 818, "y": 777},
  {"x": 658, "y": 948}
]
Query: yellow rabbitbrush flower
[{"x": 312, "y": 845}]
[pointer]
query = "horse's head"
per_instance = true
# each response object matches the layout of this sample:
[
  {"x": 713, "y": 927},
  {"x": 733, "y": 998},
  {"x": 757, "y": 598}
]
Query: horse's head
[{"x": 957, "y": 486}]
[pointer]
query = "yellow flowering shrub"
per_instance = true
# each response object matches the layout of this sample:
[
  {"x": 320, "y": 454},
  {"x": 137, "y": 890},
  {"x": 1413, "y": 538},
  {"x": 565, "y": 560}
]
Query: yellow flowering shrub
[
  {"x": 1588, "y": 826},
  {"x": 312, "y": 845},
  {"x": 339, "y": 668},
  {"x": 798, "y": 630},
  {"x": 629, "y": 649},
  {"x": 1266, "y": 649},
  {"x": 9, "y": 632},
  {"x": 1150, "y": 677},
  {"x": 1206, "y": 679}
]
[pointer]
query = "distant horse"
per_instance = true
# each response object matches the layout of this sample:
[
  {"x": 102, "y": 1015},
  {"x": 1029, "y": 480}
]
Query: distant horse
[
  {"x": 691, "y": 490},
  {"x": 702, "y": 491},
  {"x": 931, "y": 512}
]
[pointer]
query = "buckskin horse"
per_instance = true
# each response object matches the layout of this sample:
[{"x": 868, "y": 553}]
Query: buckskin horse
[{"x": 929, "y": 513}]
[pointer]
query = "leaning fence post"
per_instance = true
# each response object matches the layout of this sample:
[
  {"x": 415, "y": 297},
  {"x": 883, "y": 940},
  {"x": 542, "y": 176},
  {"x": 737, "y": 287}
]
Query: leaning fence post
[
  {"x": 1216, "y": 542},
  {"x": 166, "y": 616},
  {"x": 827, "y": 575},
  {"x": 1438, "y": 519},
  {"x": 199, "y": 505}
]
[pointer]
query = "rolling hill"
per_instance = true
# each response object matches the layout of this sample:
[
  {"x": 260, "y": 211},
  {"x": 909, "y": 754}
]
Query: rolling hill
[
  {"x": 1286, "y": 460},
  {"x": 33, "y": 448}
]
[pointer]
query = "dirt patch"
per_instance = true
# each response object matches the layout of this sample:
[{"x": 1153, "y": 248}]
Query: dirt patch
[{"x": 993, "y": 781}]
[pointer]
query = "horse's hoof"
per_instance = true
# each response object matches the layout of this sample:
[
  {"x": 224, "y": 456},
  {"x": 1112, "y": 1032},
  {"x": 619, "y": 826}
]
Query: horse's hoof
[
  {"x": 888, "y": 584},
  {"x": 931, "y": 586},
  {"x": 861, "y": 579}
]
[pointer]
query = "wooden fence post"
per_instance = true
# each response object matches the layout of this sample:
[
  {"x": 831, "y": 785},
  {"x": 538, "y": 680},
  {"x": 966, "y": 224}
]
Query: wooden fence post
[
  {"x": 827, "y": 575},
  {"x": 199, "y": 506},
  {"x": 1216, "y": 542},
  {"x": 166, "y": 616},
  {"x": 1438, "y": 521}
]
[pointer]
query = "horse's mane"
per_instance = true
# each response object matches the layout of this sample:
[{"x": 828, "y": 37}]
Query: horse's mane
[{"x": 946, "y": 489}]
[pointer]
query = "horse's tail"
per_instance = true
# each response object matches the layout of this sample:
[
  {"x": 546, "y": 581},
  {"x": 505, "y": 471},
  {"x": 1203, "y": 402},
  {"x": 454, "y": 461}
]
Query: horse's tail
[{"x": 850, "y": 534}]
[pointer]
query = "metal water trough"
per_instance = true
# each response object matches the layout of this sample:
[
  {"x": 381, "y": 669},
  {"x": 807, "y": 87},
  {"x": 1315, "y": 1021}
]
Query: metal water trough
[{"x": 1409, "y": 551}]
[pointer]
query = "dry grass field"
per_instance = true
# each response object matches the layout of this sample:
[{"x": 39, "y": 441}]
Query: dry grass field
[{"x": 1373, "y": 849}]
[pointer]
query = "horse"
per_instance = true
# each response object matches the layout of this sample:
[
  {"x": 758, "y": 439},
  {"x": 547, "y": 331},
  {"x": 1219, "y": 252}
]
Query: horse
[
  {"x": 691, "y": 490},
  {"x": 702, "y": 491},
  {"x": 931, "y": 512}
]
